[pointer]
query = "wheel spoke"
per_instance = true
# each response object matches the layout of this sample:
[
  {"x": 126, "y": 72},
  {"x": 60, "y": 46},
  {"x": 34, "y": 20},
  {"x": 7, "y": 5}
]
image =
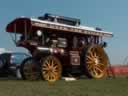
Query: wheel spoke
[
  {"x": 95, "y": 72},
  {"x": 101, "y": 64},
  {"x": 89, "y": 62},
  {"x": 52, "y": 63},
  {"x": 45, "y": 68},
  {"x": 90, "y": 66},
  {"x": 53, "y": 75},
  {"x": 88, "y": 57},
  {"x": 101, "y": 67},
  {"x": 95, "y": 55},
  {"x": 91, "y": 54},
  {"x": 44, "y": 72},
  {"x": 49, "y": 65},
  {"x": 55, "y": 68},
  {"x": 45, "y": 65},
  {"x": 100, "y": 70}
]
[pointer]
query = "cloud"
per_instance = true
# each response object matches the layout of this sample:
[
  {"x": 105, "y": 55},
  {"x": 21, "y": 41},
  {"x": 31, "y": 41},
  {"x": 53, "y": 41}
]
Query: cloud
[{"x": 2, "y": 50}]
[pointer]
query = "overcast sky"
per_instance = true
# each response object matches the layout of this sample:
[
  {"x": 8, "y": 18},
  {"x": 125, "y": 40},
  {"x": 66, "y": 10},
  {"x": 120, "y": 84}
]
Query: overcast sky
[{"x": 110, "y": 15}]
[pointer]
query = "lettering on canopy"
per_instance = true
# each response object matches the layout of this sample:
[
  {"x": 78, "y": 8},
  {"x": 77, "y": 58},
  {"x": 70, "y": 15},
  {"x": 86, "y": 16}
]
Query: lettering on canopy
[{"x": 70, "y": 29}]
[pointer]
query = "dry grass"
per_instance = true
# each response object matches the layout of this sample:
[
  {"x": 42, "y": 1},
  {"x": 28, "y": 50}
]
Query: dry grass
[{"x": 100, "y": 87}]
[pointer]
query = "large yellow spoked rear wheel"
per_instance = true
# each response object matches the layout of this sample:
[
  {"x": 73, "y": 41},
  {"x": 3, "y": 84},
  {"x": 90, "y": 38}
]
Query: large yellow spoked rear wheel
[
  {"x": 30, "y": 70},
  {"x": 96, "y": 61},
  {"x": 51, "y": 69}
]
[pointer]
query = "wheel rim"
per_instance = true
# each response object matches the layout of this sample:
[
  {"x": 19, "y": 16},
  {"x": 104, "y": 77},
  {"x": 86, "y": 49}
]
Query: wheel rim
[
  {"x": 1, "y": 63},
  {"x": 51, "y": 69},
  {"x": 30, "y": 71},
  {"x": 96, "y": 62}
]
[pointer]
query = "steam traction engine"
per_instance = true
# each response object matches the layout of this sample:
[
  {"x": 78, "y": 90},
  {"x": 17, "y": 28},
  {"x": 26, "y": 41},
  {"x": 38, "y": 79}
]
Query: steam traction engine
[{"x": 59, "y": 46}]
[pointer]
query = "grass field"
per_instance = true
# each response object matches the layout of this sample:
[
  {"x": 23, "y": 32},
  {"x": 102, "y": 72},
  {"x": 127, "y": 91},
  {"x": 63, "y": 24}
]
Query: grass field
[{"x": 82, "y": 87}]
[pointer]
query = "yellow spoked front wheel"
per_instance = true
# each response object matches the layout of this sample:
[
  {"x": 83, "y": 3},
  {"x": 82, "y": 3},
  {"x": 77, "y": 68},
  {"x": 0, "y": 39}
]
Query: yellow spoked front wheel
[
  {"x": 96, "y": 61},
  {"x": 51, "y": 69}
]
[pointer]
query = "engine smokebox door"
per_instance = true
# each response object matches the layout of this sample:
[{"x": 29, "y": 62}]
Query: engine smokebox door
[{"x": 74, "y": 58}]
